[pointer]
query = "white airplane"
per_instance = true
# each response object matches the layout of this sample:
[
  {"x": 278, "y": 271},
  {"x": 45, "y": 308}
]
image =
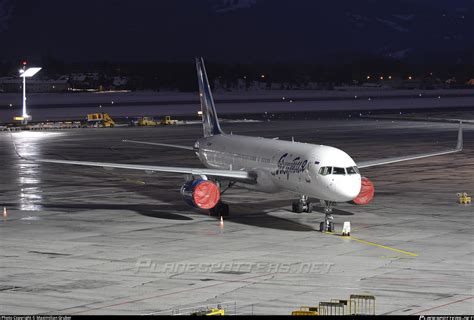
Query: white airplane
[{"x": 268, "y": 165}]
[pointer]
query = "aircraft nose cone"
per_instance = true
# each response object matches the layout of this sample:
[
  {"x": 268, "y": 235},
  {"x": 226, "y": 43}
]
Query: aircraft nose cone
[
  {"x": 352, "y": 192},
  {"x": 348, "y": 190}
]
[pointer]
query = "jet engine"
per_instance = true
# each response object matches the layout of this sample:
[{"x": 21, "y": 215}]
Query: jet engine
[
  {"x": 202, "y": 194},
  {"x": 366, "y": 194}
]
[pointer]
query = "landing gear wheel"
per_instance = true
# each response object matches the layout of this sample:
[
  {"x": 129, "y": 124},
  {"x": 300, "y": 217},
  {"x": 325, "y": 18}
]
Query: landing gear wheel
[
  {"x": 220, "y": 210},
  {"x": 331, "y": 227},
  {"x": 297, "y": 207},
  {"x": 302, "y": 205},
  {"x": 225, "y": 210},
  {"x": 322, "y": 226},
  {"x": 327, "y": 224}
]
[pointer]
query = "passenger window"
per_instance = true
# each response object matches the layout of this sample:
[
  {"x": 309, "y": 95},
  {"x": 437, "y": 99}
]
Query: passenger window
[{"x": 339, "y": 170}]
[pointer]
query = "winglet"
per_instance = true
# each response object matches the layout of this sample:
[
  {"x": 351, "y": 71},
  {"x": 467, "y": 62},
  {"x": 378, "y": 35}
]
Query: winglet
[
  {"x": 14, "y": 145},
  {"x": 459, "y": 146}
]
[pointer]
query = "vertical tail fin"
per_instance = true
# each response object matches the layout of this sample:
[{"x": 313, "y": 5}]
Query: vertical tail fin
[{"x": 210, "y": 121}]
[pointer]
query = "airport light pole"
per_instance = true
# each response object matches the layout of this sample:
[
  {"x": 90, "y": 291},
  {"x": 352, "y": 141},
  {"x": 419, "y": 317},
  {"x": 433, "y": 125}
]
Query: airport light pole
[{"x": 26, "y": 73}]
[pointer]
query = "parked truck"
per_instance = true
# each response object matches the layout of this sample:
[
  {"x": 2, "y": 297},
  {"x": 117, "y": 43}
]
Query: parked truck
[
  {"x": 100, "y": 120},
  {"x": 168, "y": 121},
  {"x": 147, "y": 121}
]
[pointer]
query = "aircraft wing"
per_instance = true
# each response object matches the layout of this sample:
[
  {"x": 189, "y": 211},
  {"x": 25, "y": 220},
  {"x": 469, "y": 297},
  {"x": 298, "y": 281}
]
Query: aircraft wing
[
  {"x": 232, "y": 174},
  {"x": 160, "y": 144},
  {"x": 373, "y": 163},
  {"x": 243, "y": 176}
]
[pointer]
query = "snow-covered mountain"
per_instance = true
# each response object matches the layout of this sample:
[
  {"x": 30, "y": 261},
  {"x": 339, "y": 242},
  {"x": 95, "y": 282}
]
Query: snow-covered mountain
[
  {"x": 223, "y": 6},
  {"x": 5, "y": 12},
  {"x": 239, "y": 30}
]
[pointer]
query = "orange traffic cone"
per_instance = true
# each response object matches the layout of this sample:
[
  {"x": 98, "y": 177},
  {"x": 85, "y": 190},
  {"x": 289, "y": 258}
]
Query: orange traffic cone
[
  {"x": 5, "y": 214},
  {"x": 222, "y": 222}
]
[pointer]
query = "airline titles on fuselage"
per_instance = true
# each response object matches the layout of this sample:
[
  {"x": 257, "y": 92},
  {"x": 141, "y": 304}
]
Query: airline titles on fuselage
[{"x": 286, "y": 167}]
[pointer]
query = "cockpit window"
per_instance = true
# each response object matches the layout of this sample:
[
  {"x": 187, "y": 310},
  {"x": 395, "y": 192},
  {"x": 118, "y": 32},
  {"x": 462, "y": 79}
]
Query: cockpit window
[
  {"x": 337, "y": 170},
  {"x": 352, "y": 170},
  {"x": 324, "y": 171}
]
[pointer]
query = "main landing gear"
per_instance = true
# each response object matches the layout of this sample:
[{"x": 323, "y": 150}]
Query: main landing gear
[
  {"x": 303, "y": 205},
  {"x": 220, "y": 210},
  {"x": 327, "y": 224}
]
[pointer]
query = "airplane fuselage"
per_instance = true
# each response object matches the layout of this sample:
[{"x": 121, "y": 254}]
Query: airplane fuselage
[{"x": 280, "y": 165}]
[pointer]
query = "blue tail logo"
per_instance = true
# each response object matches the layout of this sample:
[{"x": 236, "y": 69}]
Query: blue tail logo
[{"x": 210, "y": 121}]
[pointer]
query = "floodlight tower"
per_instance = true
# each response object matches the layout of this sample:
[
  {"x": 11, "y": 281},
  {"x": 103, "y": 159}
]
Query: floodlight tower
[{"x": 26, "y": 73}]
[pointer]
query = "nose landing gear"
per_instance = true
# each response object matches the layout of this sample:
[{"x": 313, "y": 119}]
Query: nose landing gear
[
  {"x": 327, "y": 224},
  {"x": 302, "y": 205}
]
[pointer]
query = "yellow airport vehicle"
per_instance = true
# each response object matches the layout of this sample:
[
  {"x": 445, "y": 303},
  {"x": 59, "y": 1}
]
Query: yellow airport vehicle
[
  {"x": 216, "y": 312},
  {"x": 306, "y": 311},
  {"x": 147, "y": 121},
  {"x": 100, "y": 120},
  {"x": 168, "y": 121},
  {"x": 210, "y": 312},
  {"x": 464, "y": 198}
]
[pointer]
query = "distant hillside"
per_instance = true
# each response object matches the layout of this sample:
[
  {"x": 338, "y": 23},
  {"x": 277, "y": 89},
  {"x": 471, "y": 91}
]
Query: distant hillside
[{"x": 237, "y": 30}]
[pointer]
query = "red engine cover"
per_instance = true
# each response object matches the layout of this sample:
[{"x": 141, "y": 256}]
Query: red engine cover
[
  {"x": 206, "y": 195},
  {"x": 366, "y": 194}
]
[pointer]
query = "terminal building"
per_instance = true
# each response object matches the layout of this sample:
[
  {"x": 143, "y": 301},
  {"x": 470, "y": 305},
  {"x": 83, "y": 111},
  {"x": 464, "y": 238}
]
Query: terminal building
[{"x": 14, "y": 84}]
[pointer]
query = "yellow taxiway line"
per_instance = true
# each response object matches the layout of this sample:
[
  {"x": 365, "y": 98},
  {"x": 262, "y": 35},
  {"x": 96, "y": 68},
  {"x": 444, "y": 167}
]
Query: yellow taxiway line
[{"x": 408, "y": 253}]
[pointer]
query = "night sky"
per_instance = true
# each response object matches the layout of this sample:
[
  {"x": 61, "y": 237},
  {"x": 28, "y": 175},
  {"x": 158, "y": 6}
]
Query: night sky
[{"x": 237, "y": 30}]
